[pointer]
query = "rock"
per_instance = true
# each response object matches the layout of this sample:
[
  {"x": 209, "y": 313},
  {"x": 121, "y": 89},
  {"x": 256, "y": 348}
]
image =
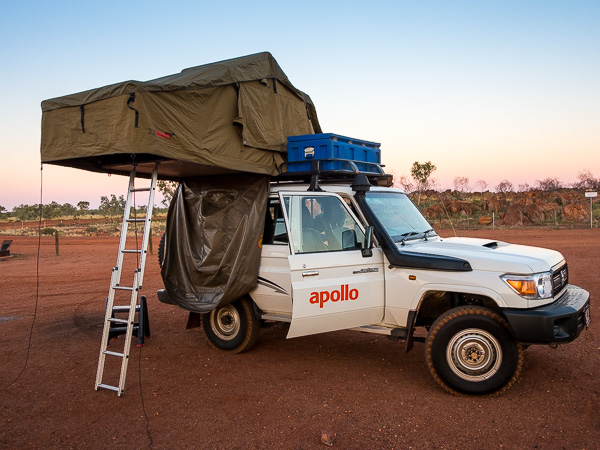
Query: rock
[
  {"x": 575, "y": 213},
  {"x": 493, "y": 204},
  {"x": 327, "y": 437},
  {"x": 485, "y": 220},
  {"x": 434, "y": 211},
  {"x": 515, "y": 215},
  {"x": 457, "y": 207},
  {"x": 534, "y": 212}
]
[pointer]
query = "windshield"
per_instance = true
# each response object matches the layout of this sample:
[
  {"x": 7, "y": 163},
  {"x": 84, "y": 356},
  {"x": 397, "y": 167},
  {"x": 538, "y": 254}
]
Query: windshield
[{"x": 399, "y": 216}]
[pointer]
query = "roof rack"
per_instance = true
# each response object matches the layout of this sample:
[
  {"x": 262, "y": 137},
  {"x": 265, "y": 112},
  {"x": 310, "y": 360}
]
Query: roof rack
[{"x": 333, "y": 170}]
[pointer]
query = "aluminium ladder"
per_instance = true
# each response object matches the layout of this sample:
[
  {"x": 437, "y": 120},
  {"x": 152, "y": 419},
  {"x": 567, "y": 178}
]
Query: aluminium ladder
[{"x": 116, "y": 286}]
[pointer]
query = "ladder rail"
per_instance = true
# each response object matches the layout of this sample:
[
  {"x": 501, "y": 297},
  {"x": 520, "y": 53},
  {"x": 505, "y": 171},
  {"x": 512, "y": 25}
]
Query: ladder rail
[
  {"x": 147, "y": 225},
  {"x": 125, "y": 224},
  {"x": 129, "y": 333}
]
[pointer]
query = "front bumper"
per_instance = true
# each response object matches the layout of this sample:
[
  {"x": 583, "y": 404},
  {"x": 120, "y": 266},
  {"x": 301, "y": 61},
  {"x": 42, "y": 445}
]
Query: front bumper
[{"x": 561, "y": 321}]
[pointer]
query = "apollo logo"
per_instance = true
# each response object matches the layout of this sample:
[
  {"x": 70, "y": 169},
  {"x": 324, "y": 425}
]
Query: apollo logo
[{"x": 342, "y": 295}]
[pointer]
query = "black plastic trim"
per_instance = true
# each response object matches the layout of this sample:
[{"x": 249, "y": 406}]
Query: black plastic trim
[
  {"x": 410, "y": 323},
  {"x": 561, "y": 321}
]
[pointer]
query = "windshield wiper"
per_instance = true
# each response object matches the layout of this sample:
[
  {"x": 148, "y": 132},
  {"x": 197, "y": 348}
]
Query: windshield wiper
[
  {"x": 425, "y": 233},
  {"x": 405, "y": 236}
]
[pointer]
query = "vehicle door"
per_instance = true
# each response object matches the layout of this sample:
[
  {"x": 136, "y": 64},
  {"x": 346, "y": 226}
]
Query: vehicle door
[{"x": 334, "y": 286}]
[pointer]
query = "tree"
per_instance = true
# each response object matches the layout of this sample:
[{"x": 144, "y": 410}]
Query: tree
[
  {"x": 421, "y": 173},
  {"x": 83, "y": 207},
  {"x": 504, "y": 186},
  {"x": 26, "y": 212},
  {"x": 167, "y": 189},
  {"x": 68, "y": 210},
  {"x": 111, "y": 207},
  {"x": 549, "y": 184},
  {"x": 51, "y": 210},
  {"x": 461, "y": 184},
  {"x": 481, "y": 185},
  {"x": 2, "y": 211},
  {"x": 585, "y": 180},
  {"x": 523, "y": 187},
  {"x": 404, "y": 183}
]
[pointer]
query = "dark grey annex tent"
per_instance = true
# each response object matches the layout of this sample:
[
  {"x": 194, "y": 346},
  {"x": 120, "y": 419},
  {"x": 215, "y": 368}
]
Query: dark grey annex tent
[{"x": 224, "y": 117}]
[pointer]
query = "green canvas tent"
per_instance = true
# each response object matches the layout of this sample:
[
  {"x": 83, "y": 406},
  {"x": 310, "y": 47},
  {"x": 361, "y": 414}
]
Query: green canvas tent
[{"x": 225, "y": 117}]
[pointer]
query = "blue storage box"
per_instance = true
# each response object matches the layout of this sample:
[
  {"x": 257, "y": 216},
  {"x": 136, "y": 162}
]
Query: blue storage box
[{"x": 302, "y": 150}]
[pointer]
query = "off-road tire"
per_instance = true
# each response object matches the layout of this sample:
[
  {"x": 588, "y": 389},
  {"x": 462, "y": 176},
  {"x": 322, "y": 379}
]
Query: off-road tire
[
  {"x": 161, "y": 250},
  {"x": 232, "y": 328},
  {"x": 472, "y": 350}
]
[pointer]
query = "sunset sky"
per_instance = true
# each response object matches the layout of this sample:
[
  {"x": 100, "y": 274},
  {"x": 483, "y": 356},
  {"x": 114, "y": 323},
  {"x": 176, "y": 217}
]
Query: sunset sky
[{"x": 488, "y": 90}]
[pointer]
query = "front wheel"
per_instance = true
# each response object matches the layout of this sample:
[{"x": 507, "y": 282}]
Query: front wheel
[
  {"x": 232, "y": 328},
  {"x": 471, "y": 350}
]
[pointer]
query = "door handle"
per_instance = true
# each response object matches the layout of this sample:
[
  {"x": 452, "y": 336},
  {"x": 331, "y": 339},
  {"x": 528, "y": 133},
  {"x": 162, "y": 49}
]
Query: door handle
[{"x": 310, "y": 273}]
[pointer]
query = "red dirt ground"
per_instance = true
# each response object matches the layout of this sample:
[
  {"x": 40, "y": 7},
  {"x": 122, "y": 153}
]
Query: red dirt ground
[{"x": 282, "y": 393}]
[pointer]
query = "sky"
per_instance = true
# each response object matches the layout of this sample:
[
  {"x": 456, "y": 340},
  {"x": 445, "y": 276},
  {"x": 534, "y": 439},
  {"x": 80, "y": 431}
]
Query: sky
[{"x": 488, "y": 90}]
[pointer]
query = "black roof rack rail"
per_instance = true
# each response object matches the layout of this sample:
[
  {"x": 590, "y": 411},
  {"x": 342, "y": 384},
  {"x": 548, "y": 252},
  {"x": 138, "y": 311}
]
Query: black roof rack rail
[{"x": 336, "y": 171}]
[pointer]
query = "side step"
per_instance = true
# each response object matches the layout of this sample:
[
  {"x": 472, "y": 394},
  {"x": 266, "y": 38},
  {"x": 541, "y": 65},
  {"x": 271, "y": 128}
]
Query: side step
[{"x": 393, "y": 332}]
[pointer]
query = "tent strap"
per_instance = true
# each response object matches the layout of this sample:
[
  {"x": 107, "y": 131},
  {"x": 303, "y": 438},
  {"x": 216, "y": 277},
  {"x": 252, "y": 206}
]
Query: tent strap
[
  {"x": 131, "y": 99},
  {"x": 81, "y": 119}
]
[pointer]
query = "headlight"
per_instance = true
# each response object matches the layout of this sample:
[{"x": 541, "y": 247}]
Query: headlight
[{"x": 536, "y": 286}]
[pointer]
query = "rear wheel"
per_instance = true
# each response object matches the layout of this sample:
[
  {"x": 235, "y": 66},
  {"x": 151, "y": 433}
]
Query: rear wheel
[
  {"x": 471, "y": 350},
  {"x": 232, "y": 328}
]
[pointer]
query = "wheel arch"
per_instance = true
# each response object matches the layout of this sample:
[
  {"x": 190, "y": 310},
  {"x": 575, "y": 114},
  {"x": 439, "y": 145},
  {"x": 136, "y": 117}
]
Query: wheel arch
[{"x": 435, "y": 300}]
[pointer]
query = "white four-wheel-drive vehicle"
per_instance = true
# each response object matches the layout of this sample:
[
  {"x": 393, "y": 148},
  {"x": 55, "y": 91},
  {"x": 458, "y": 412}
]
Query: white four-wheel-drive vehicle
[{"x": 351, "y": 252}]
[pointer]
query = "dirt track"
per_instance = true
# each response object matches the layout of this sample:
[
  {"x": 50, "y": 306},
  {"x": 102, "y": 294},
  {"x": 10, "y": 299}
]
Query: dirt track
[{"x": 282, "y": 393}]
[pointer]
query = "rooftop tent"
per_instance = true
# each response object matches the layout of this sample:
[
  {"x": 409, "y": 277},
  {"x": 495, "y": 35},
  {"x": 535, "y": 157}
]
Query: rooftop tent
[{"x": 224, "y": 117}]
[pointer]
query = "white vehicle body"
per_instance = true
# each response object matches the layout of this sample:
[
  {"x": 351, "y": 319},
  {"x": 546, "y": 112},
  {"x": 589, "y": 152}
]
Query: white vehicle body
[
  {"x": 386, "y": 294},
  {"x": 355, "y": 255}
]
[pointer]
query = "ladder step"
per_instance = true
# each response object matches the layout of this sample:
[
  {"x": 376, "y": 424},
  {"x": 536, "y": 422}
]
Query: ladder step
[
  {"x": 123, "y": 308},
  {"x": 107, "y": 386},
  {"x": 146, "y": 189},
  {"x": 135, "y": 220},
  {"x": 131, "y": 251},
  {"x": 122, "y": 288},
  {"x": 112, "y": 319},
  {"x": 108, "y": 352}
]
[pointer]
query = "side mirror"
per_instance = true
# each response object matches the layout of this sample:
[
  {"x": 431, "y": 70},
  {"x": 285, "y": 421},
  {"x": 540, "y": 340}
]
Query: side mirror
[
  {"x": 348, "y": 240},
  {"x": 367, "y": 250}
]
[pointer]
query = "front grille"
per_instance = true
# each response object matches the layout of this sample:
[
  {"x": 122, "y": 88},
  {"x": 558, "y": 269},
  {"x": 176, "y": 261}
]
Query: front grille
[{"x": 560, "y": 279}]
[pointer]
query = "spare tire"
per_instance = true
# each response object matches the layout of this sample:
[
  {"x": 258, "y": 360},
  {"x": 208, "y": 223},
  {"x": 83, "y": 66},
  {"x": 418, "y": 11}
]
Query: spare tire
[{"x": 161, "y": 250}]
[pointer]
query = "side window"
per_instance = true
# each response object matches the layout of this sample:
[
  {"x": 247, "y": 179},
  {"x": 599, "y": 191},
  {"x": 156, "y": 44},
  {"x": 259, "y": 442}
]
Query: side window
[
  {"x": 275, "y": 232},
  {"x": 321, "y": 223}
]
